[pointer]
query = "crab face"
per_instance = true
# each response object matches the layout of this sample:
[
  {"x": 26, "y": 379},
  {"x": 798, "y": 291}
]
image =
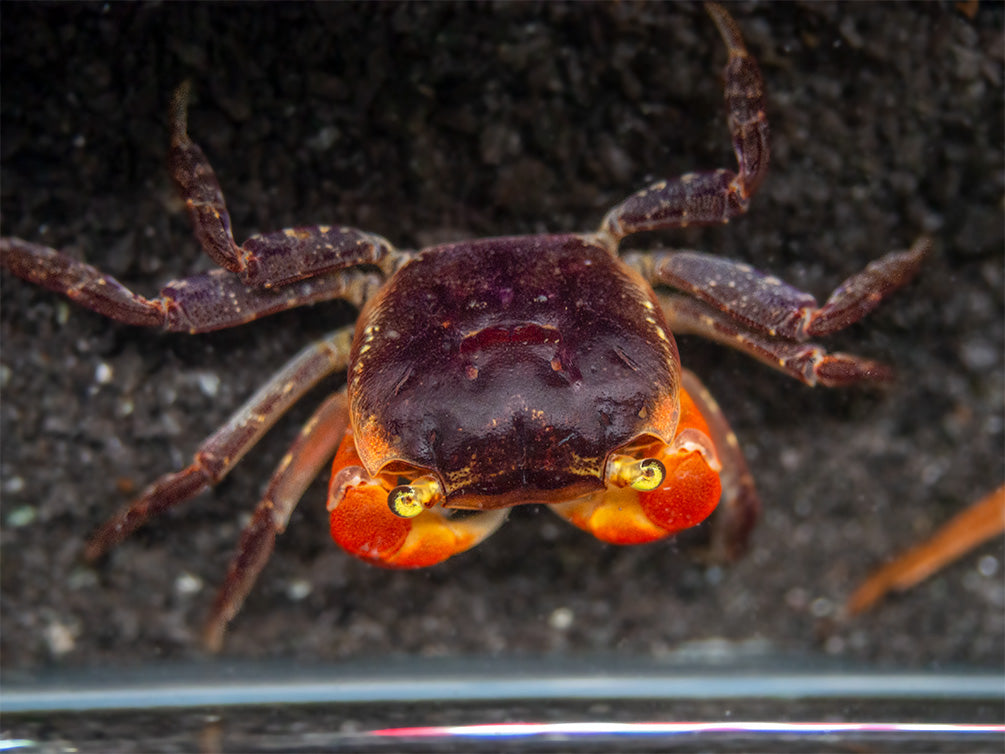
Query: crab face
[{"x": 511, "y": 369}]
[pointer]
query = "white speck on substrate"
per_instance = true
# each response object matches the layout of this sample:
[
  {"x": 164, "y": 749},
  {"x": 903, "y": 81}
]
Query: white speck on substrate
[
  {"x": 187, "y": 583},
  {"x": 561, "y": 619},
  {"x": 298, "y": 589}
]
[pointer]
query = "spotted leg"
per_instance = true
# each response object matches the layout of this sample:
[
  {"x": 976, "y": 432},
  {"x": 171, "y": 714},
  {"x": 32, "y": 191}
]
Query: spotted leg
[
  {"x": 313, "y": 448},
  {"x": 760, "y": 315},
  {"x": 211, "y": 301},
  {"x": 364, "y": 525},
  {"x": 715, "y": 196},
  {"x": 224, "y": 448},
  {"x": 269, "y": 259},
  {"x": 807, "y": 362}
]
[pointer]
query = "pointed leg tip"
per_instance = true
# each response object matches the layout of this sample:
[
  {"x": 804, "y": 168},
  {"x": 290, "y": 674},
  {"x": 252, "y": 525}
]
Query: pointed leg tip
[
  {"x": 212, "y": 636},
  {"x": 841, "y": 369},
  {"x": 728, "y": 29}
]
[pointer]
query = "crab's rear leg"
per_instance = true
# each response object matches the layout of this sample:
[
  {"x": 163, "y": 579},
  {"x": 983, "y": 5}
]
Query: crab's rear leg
[
  {"x": 224, "y": 448},
  {"x": 211, "y": 301},
  {"x": 740, "y": 505},
  {"x": 713, "y": 196},
  {"x": 269, "y": 259},
  {"x": 313, "y": 448}
]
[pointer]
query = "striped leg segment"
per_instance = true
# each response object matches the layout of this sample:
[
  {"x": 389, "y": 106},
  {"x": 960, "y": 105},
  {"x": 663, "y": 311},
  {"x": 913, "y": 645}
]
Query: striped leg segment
[
  {"x": 224, "y": 448},
  {"x": 715, "y": 196},
  {"x": 310, "y": 452},
  {"x": 266, "y": 260}
]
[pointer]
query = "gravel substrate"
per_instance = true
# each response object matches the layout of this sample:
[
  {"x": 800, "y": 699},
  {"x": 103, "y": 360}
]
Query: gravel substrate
[{"x": 432, "y": 122}]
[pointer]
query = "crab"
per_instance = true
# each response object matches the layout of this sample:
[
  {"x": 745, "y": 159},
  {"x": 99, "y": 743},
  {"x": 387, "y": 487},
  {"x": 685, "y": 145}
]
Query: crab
[{"x": 490, "y": 373}]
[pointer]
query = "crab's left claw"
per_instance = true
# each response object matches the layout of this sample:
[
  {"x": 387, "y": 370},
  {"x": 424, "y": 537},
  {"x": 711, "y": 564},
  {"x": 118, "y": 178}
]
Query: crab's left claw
[
  {"x": 703, "y": 464},
  {"x": 401, "y": 527}
]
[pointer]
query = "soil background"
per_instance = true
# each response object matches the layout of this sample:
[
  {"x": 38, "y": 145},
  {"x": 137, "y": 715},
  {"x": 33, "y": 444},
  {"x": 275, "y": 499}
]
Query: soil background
[{"x": 441, "y": 121}]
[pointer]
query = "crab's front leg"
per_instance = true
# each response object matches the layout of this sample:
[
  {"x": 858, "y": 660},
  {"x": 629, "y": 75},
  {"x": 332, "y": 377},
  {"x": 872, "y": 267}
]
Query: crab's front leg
[
  {"x": 398, "y": 525},
  {"x": 269, "y": 259},
  {"x": 716, "y": 196},
  {"x": 271, "y": 268},
  {"x": 211, "y": 301},
  {"x": 702, "y": 464}
]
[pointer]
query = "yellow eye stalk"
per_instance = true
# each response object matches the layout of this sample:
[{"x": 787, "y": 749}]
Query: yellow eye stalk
[
  {"x": 409, "y": 500},
  {"x": 644, "y": 475}
]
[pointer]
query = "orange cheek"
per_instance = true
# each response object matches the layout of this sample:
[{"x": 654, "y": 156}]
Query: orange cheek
[
  {"x": 690, "y": 416},
  {"x": 346, "y": 455}
]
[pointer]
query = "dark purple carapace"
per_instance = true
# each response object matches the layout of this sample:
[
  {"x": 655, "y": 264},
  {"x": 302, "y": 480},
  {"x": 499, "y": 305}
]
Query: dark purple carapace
[{"x": 512, "y": 368}]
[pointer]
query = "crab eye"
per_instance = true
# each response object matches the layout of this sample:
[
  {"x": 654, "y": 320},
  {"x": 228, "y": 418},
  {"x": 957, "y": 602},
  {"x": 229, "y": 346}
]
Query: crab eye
[
  {"x": 409, "y": 500},
  {"x": 642, "y": 475}
]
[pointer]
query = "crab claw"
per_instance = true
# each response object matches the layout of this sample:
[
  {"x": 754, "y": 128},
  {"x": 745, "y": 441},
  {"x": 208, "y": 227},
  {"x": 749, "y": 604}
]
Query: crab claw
[
  {"x": 398, "y": 528},
  {"x": 639, "y": 507},
  {"x": 627, "y": 516}
]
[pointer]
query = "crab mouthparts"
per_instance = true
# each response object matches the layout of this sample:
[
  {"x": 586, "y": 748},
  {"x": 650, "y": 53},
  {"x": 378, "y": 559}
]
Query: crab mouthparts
[{"x": 472, "y": 498}]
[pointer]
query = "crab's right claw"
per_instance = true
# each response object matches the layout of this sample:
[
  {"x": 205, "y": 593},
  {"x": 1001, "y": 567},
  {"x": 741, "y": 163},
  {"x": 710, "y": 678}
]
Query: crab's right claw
[{"x": 640, "y": 505}]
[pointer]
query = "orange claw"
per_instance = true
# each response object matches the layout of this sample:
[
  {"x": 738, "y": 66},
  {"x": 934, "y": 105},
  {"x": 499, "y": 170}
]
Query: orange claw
[
  {"x": 363, "y": 524},
  {"x": 613, "y": 516},
  {"x": 689, "y": 493},
  {"x": 624, "y": 516},
  {"x": 689, "y": 498},
  {"x": 965, "y": 531}
]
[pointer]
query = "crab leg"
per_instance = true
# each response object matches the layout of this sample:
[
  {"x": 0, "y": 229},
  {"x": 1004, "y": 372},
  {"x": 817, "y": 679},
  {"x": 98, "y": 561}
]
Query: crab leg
[
  {"x": 712, "y": 196},
  {"x": 807, "y": 362},
  {"x": 740, "y": 506},
  {"x": 270, "y": 259},
  {"x": 224, "y": 448},
  {"x": 211, "y": 301},
  {"x": 767, "y": 305},
  {"x": 314, "y": 447},
  {"x": 962, "y": 533}
]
